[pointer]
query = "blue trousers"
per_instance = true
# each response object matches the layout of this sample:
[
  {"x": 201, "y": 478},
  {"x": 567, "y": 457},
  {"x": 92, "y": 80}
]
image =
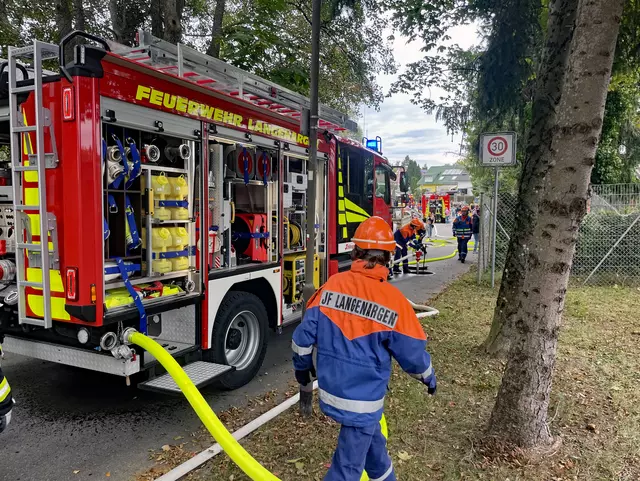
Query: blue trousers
[
  {"x": 462, "y": 247},
  {"x": 361, "y": 449},
  {"x": 401, "y": 251}
]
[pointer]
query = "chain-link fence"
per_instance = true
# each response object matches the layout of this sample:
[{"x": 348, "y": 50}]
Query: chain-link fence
[{"x": 608, "y": 250}]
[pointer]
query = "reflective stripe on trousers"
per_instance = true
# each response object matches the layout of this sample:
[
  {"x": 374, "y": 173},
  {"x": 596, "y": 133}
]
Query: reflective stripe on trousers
[
  {"x": 425, "y": 374},
  {"x": 354, "y": 406},
  {"x": 361, "y": 449}
]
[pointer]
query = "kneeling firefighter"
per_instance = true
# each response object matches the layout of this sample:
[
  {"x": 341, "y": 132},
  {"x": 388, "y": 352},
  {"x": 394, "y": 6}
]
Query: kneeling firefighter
[
  {"x": 6, "y": 400},
  {"x": 402, "y": 237},
  {"x": 358, "y": 322}
]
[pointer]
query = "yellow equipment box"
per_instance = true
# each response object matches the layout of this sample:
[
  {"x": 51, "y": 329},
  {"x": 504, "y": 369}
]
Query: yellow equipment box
[{"x": 294, "y": 276}]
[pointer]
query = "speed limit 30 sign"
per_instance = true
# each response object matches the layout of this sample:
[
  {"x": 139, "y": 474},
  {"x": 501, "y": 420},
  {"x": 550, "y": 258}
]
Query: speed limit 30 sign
[{"x": 498, "y": 149}]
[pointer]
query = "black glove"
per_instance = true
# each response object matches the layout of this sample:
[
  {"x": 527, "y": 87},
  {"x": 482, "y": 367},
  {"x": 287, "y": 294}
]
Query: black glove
[{"x": 304, "y": 377}]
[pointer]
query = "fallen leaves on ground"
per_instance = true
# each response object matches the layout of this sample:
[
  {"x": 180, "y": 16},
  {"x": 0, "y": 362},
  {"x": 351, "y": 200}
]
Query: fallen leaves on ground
[{"x": 594, "y": 403}]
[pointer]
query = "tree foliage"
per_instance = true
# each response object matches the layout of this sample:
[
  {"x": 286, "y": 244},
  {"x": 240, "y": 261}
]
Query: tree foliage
[
  {"x": 277, "y": 46},
  {"x": 413, "y": 174},
  {"x": 489, "y": 87},
  {"x": 268, "y": 37}
]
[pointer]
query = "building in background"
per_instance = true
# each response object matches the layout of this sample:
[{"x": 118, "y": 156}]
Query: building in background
[{"x": 446, "y": 178}]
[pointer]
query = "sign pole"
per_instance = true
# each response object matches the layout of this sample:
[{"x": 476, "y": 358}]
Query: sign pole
[
  {"x": 480, "y": 239},
  {"x": 494, "y": 228},
  {"x": 497, "y": 150}
]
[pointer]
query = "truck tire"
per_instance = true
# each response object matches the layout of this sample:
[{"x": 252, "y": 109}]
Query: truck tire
[{"x": 239, "y": 337}]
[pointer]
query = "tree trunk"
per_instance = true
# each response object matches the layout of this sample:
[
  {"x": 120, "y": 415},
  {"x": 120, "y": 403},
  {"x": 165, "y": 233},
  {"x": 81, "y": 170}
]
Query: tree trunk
[
  {"x": 173, "y": 20},
  {"x": 118, "y": 21},
  {"x": 64, "y": 17},
  {"x": 216, "y": 30},
  {"x": 78, "y": 14},
  {"x": 548, "y": 93},
  {"x": 519, "y": 416},
  {"x": 157, "y": 18}
]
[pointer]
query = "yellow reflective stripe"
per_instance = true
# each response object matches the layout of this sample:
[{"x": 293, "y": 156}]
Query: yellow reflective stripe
[
  {"x": 31, "y": 196},
  {"x": 35, "y": 229},
  {"x": 342, "y": 219},
  {"x": 35, "y": 223},
  {"x": 27, "y": 148},
  {"x": 340, "y": 177},
  {"x": 353, "y": 218},
  {"x": 34, "y": 274},
  {"x": 344, "y": 232},
  {"x": 26, "y": 138},
  {"x": 36, "y": 304},
  {"x": 341, "y": 205},
  {"x": 356, "y": 208},
  {"x": 5, "y": 389},
  {"x": 341, "y": 191},
  {"x": 30, "y": 176},
  {"x": 50, "y": 245}
]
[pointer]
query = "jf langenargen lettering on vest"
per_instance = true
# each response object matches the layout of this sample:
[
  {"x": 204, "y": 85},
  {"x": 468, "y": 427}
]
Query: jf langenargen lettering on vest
[{"x": 359, "y": 307}]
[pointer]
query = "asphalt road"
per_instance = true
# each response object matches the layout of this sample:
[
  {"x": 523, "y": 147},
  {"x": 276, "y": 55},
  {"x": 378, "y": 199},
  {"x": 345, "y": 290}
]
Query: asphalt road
[{"x": 68, "y": 419}]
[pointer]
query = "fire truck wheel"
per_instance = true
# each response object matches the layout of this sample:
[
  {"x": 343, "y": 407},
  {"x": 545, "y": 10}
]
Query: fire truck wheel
[{"x": 239, "y": 337}]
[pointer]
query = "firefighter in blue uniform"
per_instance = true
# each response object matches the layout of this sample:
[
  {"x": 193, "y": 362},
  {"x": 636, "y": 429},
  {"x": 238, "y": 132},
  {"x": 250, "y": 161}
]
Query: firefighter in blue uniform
[
  {"x": 462, "y": 229},
  {"x": 358, "y": 322},
  {"x": 6, "y": 401},
  {"x": 403, "y": 237}
]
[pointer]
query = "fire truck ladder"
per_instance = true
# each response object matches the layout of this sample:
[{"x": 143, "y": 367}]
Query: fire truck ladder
[
  {"x": 213, "y": 73},
  {"x": 38, "y": 253}
]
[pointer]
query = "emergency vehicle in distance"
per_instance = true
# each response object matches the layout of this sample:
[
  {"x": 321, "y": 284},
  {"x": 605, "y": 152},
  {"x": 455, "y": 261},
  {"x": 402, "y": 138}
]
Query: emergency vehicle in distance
[
  {"x": 172, "y": 190},
  {"x": 437, "y": 204}
]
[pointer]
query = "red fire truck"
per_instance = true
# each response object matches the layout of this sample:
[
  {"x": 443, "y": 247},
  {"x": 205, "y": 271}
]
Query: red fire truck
[
  {"x": 439, "y": 204},
  {"x": 158, "y": 188}
]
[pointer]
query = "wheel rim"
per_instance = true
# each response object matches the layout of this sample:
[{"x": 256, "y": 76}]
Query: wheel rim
[{"x": 242, "y": 340}]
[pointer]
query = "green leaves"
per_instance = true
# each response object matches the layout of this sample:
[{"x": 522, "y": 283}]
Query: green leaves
[
  {"x": 268, "y": 37},
  {"x": 272, "y": 39}
]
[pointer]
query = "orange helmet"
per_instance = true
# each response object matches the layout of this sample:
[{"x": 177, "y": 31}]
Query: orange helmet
[
  {"x": 465, "y": 208},
  {"x": 417, "y": 224},
  {"x": 374, "y": 234}
]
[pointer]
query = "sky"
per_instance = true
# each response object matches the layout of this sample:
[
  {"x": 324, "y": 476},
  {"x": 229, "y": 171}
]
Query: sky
[{"x": 405, "y": 128}]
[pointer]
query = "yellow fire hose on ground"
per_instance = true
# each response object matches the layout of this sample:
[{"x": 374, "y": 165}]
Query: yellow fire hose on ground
[
  {"x": 236, "y": 452},
  {"x": 435, "y": 259}
]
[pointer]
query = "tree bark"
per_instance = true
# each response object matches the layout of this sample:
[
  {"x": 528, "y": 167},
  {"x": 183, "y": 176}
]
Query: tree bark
[
  {"x": 548, "y": 94},
  {"x": 157, "y": 20},
  {"x": 64, "y": 17},
  {"x": 519, "y": 416},
  {"x": 118, "y": 21},
  {"x": 216, "y": 30},
  {"x": 126, "y": 18},
  {"x": 78, "y": 15},
  {"x": 173, "y": 20}
]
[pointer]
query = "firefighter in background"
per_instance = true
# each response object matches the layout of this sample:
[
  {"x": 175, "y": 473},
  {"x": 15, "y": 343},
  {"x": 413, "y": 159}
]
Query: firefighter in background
[
  {"x": 462, "y": 229},
  {"x": 358, "y": 322},
  {"x": 403, "y": 236},
  {"x": 6, "y": 400}
]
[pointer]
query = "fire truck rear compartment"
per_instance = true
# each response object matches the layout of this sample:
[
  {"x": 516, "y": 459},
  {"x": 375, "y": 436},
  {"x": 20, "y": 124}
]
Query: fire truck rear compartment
[
  {"x": 150, "y": 220},
  {"x": 193, "y": 198}
]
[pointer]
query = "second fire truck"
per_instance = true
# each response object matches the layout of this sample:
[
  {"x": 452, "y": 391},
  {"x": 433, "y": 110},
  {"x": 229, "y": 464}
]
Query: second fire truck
[{"x": 158, "y": 188}]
